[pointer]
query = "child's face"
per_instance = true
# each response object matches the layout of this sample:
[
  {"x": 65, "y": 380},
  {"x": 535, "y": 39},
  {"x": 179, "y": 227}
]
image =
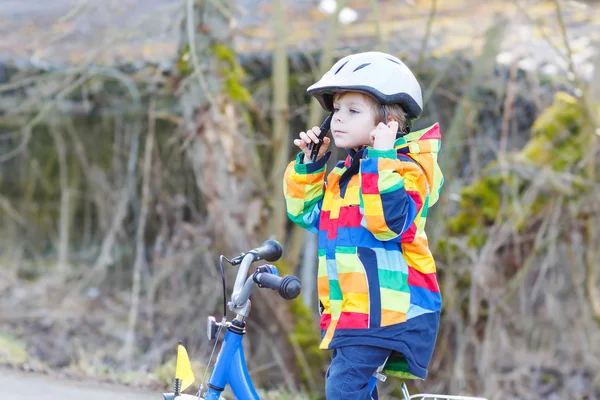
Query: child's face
[{"x": 353, "y": 120}]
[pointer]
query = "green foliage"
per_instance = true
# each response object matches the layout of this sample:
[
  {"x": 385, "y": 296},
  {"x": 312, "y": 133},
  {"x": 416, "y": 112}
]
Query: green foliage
[
  {"x": 557, "y": 140},
  {"x": 233, "y": 73},
  {"x": 557, "y": 143},
  {"x": 12, "y": 351},
  {"x": 184, "y": 67},
  {"x": 305, "y": 335},
  {"x": 479, "y": 205}
]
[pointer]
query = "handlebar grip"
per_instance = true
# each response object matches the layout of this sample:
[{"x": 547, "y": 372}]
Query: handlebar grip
[{"x": 289, "y": 287}]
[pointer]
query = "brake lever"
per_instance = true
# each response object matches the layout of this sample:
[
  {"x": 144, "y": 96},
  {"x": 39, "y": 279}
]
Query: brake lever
[{"x": 315, "y": 147}]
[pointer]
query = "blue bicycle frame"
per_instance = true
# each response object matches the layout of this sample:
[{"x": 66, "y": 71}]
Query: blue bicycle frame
[{"x": 231, "y": 369}]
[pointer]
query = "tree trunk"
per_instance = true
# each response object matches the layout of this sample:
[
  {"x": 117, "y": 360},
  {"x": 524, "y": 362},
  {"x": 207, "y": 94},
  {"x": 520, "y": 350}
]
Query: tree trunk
[
  {"x": 280, "y": 113},
  {"x": 302, "y": 242},
  {"x": 222, "y": 160}
]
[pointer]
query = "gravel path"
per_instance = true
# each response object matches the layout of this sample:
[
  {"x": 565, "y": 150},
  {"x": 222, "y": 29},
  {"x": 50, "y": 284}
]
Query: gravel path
[{"x": 29, "y": 386}]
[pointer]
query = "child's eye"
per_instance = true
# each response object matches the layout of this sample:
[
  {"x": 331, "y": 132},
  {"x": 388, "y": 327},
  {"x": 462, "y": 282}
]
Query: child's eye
[
  {"x": 336, "y": 109},
  {"x": 354, "y": 111}
]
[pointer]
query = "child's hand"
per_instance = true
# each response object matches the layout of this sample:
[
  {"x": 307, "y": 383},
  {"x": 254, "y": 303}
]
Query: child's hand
[
  {"x": 384, "y": 136},
  {"x": 311, "y": 136}
]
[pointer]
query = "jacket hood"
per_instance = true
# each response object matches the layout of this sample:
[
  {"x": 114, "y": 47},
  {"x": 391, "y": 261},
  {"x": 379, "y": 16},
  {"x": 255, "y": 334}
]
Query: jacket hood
[{"x": 423, "y": 147}]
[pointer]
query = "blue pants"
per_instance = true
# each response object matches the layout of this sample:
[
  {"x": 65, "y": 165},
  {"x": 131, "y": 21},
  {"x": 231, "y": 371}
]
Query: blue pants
[{"x": 350, "y": 370}]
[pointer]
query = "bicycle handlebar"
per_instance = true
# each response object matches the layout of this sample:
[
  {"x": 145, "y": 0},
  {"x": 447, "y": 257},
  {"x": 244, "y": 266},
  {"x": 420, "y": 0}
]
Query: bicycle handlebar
[
  {"x": 270, "y": 251},
  {"x": 288, "y": 287}
]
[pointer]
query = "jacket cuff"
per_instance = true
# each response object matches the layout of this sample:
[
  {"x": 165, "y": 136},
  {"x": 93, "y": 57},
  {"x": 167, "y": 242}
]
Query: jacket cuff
[
  {"x": 372, "y": 153},
  {"x": 312, "y": 167}
]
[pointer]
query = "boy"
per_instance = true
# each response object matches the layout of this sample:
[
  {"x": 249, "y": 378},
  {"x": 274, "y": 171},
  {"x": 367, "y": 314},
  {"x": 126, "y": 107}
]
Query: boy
[{"x": 377, "y": 277}]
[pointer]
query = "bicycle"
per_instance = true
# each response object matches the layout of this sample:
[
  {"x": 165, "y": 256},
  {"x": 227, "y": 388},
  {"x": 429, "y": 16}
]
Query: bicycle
[{"x": 230, "y": 367}]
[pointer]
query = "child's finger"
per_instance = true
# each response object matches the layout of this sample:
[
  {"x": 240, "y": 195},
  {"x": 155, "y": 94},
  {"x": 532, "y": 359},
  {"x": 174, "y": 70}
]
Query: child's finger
[
  {"x": 303, "y": 146},
  {"x": 313, "y": 134},
  {"x": 300, "y": 143},
  {"x": 304, "y": 136},
  {"x": 324, "y": 146},
  {"x": 372, "y": 136}
]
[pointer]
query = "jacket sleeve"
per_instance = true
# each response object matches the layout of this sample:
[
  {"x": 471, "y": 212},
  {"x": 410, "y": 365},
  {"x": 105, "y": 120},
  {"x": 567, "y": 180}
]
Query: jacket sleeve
[
  {"x": 303, "y": 187},
  {"x": 393, "y": 193}
]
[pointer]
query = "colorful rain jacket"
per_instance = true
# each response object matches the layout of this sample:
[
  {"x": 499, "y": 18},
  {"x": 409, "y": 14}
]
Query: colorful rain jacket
[{"x": 376, "y": 278}]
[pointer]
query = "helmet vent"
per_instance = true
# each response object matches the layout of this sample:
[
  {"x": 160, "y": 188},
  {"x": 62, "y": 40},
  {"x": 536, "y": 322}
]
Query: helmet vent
[
  {"x": 394, "y": 61},
  {"x": 361, "y": 66},
  {"x": 340, "y": 68}
]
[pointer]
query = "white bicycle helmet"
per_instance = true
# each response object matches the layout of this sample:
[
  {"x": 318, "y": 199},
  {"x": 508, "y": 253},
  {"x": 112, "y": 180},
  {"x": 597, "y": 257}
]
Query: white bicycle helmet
[{"x": 381, "y": 75}]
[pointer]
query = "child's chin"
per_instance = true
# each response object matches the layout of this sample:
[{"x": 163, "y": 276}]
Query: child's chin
[{"x": 343, "y": 144}]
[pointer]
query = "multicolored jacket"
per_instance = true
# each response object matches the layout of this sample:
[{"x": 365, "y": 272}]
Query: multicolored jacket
[{"x": 377, "y": 277}]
